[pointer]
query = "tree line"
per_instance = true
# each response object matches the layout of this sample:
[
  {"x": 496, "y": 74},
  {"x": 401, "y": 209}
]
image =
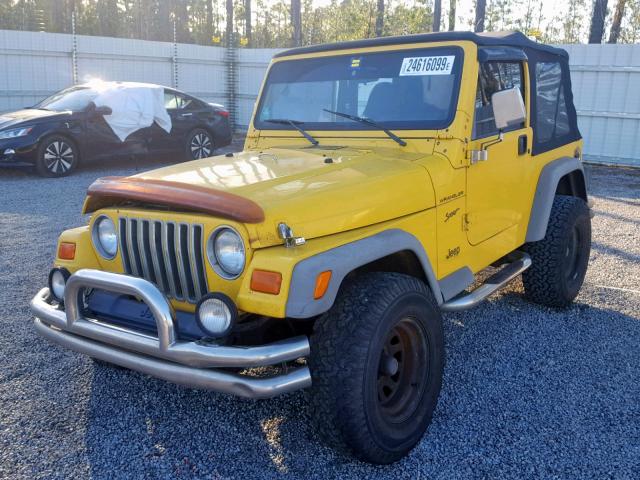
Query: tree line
[{"x": 283, "y": 23}]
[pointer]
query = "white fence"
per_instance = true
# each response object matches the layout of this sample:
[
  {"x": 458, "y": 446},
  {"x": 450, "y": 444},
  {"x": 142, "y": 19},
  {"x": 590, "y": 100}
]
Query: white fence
[
  {"x": 606, "y": 79},
  {"x": 606, "y": 91}
]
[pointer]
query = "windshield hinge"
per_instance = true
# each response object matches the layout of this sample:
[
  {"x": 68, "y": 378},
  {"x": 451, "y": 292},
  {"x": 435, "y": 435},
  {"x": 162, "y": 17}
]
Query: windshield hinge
[
  {"x": 286, "y": 234},
  {"x": 465, "y": 222}
]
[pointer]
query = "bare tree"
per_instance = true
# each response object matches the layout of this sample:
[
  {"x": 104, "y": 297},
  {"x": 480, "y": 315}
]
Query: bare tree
[
  {"x": 296, "y": 21},
  {"x": 209, "y": 9},
  {"x": 617, "y": 20},
  {"x": 597, "y": 21},
  {"x": 247, "y": 21},
  {"x": 380, "y": 18},
  {"x": 452, "y": 15},
  {"x": 229, "y": 23},
  {"x": 437, "y": 13},
  {"x": 481, "y": 6}
]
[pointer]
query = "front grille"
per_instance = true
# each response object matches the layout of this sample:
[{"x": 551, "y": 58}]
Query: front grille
[{"x": 168, "y": 254}]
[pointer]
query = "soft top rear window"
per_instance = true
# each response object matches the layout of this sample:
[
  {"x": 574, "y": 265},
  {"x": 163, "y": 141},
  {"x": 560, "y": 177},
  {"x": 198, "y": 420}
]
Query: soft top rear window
[{"x": 408, "y": 89}]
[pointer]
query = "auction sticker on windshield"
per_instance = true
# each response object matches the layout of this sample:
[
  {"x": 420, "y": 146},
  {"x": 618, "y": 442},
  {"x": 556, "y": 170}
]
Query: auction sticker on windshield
[{"x": 440, "y": 65}]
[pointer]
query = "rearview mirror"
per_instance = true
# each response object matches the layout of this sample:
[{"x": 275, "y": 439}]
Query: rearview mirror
[{"x": 508, "y": 108}]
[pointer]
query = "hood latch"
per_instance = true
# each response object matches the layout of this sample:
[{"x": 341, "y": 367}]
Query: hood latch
[{"x": 286, "y": 234}]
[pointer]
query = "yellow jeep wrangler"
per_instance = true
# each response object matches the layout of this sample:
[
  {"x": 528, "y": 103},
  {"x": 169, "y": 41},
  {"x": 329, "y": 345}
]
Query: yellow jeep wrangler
[{"x": 379, "y": 178}]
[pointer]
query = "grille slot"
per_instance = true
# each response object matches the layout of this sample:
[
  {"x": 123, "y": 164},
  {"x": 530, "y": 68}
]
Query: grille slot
[{"x": 167, "y": 254}]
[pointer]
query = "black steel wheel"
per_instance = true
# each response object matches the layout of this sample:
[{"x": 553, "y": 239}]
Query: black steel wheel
[
  {"x": 376, "y": 363},
  {"x": 199, "y": 144},
  {"x": 572, "y": 254},
  {"x": 403, "y": 370},
  {"x": 57, "y": 156}
]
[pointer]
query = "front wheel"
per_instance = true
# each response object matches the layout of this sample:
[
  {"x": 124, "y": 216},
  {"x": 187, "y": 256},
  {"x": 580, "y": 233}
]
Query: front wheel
[
  {"x": 57, "y": 156},
  {"x": 376, "y": 363},
  {"x": 199, "y": 144}
]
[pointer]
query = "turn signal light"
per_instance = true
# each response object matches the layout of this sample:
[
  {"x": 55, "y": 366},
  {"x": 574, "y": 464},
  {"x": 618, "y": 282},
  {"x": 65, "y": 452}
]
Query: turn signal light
[
  {"x": 322, "y": 284},
  {"x": 266, "y": 282},
  {"x": 67, "y": 251}
]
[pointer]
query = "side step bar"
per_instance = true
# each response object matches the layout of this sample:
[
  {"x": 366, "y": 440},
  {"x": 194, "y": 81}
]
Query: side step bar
[{"x": 498, "y": 280}]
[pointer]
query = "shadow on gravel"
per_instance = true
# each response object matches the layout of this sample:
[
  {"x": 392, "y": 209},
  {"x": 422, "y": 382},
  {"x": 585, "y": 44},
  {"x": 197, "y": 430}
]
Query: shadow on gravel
[
  {"x": 616, "y": 217},
  {"x": 628, "y": 256},
  {"x": 528, "y": 391}
]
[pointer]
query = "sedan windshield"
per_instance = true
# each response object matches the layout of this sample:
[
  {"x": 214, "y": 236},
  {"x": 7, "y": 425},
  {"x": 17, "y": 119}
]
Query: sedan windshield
[
  {"x": 407, "y": 89},
  {"x": 74, "y": 99}
]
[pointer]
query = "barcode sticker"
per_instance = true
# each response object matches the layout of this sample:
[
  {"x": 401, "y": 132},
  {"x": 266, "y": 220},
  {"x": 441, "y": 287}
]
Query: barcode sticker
[{"x": 441, "y": 65}]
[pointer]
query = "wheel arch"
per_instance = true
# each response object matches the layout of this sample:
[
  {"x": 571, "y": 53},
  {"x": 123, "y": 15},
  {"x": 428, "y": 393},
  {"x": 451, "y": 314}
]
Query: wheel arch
[
  {"x": 203, "y": 126},
  {"x": 564, "y": 176},
  {"x": 395, "y": 249},
  {"x": 61, "y": 133}
]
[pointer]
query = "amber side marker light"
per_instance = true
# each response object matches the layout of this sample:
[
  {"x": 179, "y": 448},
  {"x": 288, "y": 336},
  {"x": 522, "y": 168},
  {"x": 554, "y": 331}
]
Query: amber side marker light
[
  {"x": 322, "y": 284},
  {"x": 67, "y": 251},
  {"x": 266, "y": 282}
]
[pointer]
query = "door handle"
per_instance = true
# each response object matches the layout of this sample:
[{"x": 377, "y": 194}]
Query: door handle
[
  {"x": 186, "y": 114},
  {"x": 523, "y": 144}
]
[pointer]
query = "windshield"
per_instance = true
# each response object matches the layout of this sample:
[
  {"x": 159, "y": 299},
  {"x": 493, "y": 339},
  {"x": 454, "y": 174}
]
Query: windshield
[
  {"x": 408, "y": 89},
  {"x": 74, "y": 99}
]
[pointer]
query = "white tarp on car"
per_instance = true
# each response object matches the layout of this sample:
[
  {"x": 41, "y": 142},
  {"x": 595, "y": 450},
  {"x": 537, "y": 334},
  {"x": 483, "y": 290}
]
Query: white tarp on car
[{"x": 134, "y": 106}]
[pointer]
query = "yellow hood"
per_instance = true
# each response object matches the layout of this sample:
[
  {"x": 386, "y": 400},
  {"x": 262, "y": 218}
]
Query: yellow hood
[{"x": 315, "y": 191}]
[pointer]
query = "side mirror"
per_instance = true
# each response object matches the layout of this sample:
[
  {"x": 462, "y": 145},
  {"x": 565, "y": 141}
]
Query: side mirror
[
  {"x": 103, "y": 110},
  {"x": 508, "y": 108}
]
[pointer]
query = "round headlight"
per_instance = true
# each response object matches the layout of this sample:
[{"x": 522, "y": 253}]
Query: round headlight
[
  {"x": 226, "y": 252},
  {"x": 57, "y": 282},
  {"x": 216, "y": 314},
  {"x": 105, "y": 238}
]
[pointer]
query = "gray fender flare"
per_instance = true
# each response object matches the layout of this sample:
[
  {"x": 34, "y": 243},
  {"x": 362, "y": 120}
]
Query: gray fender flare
[
  {"x": 545, "y": 192},
  {"x": 344, "y": 259}
]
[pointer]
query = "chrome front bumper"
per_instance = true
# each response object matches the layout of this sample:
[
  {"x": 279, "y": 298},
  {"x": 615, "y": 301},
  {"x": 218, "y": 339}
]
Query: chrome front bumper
[{"x": 165, "y": 356}]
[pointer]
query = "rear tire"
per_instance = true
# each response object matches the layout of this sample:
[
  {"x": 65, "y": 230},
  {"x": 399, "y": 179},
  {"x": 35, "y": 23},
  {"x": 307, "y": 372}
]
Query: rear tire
[
  {"x": 376, "y": 363},
  {"x": 560, "y": 259},
  {"x": 57, "y": 156},
  {"x": 199, "y": 144}
]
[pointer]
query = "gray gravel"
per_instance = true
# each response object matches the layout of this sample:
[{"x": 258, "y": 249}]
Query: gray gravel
[{"x": 528, "y": 391}]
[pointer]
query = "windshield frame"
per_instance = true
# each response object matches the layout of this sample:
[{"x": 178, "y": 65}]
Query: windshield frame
[
  {"x": 61, "y": 93},
  {"x": 357, "y": 126}
]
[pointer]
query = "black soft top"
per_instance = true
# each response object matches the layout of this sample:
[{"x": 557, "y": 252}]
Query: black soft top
[
  {"x": 486, "y": 39},
  {"x": 553, "y": 114}
]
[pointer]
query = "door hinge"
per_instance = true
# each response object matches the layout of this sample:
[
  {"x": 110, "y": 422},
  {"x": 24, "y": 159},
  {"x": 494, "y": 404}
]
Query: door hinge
[
  {"x": 475, "y": 156},
  {"x": 465, "y": 222}
]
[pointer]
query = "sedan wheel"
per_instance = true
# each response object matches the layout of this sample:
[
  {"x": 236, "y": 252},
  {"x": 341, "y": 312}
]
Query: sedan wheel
[
  {"x": 200, "y": 145},
  {"x": 57, "y": 157}
]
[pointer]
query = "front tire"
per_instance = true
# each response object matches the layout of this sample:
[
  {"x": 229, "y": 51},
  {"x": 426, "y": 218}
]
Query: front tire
[
  {"x": 560, "y": 259},
  {"x": 376, "y": 362},
  {"x": 199, "y": 144},
  {"x": 57, "y": 156}
]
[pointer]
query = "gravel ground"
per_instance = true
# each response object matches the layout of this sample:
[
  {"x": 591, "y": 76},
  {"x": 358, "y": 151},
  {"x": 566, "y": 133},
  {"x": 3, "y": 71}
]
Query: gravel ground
[{"x": 528, "y": 391}]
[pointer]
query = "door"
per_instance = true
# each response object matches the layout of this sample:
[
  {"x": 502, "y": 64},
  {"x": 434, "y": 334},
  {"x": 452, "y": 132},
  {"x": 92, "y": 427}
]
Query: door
[
  {"x": 493, "y": 185},
  {"x": 183, "y": 112},
  {"x": 100, "y": 140}
]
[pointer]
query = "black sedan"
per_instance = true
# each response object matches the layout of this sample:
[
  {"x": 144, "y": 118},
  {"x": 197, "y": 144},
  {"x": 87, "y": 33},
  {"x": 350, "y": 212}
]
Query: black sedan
[{"x": 62, "y": 131}]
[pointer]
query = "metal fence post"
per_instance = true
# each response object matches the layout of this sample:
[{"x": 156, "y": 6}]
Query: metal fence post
[
  {"x": 74, "y": 49},
  {"x": 231, "y": 64},
  {"x": 174, "y": 59}
]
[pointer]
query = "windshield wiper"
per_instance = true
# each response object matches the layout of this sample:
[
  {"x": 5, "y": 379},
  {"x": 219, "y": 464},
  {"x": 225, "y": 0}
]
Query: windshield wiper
[
  {"x": 295, "y": 124},
  {"x": 368, "y": 121}
]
